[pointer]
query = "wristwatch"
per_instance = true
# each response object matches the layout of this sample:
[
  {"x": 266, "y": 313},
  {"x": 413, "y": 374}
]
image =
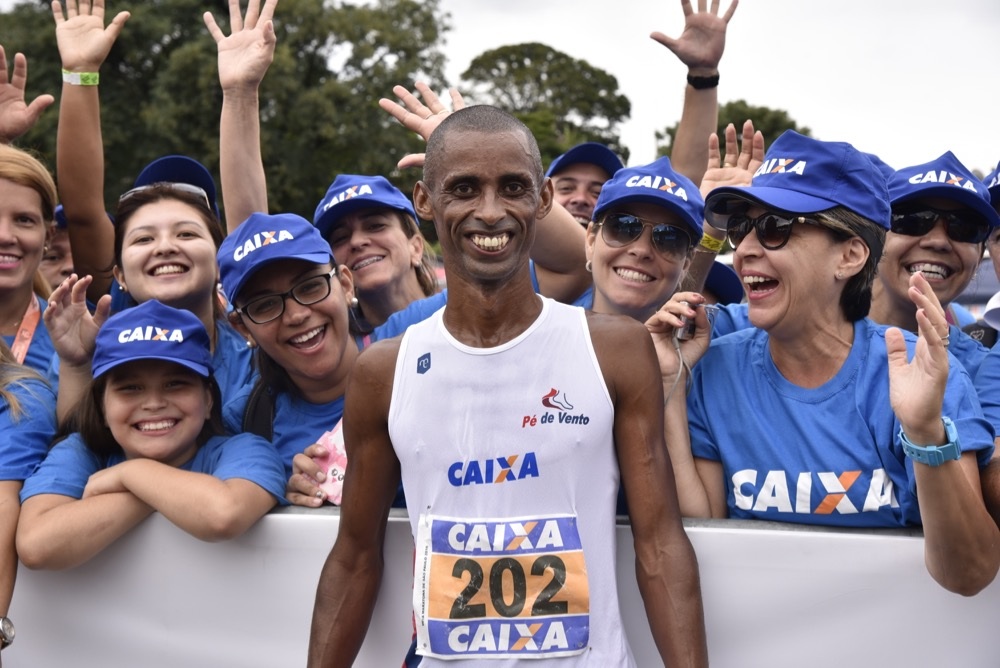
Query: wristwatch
[
  {"x": 6, "y": 632},
  {"x": 934, "y": 455}
]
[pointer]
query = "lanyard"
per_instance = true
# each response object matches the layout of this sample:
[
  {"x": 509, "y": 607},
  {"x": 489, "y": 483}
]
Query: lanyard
[{"x": 26, "y": 331}]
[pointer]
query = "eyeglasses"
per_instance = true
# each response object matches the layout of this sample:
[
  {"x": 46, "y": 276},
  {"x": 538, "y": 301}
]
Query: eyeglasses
[
  {"x": 167, "y": 185},
  {"x": 918, "y": 219},
  {"x": 773, "y": 230},
  {"x": 308, "y": 291},
  {"x": 622, "y": 229}
]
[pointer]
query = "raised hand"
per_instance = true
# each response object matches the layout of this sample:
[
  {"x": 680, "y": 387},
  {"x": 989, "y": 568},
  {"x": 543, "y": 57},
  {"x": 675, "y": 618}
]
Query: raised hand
[
  {"x": 740, "y": 163},
  {"x": 420, "y": 117},
  {"x": 703, "y": 40},
  {"x": 71, "y": 326},
  {"x": 247, "y": 52},
  {"x": 916, "y": 386},
  {"x": 17, "y": 117},
  {"x": 84, "y": 42}
]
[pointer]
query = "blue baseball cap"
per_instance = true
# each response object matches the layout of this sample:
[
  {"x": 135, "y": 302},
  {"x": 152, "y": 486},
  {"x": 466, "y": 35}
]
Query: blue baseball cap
[
  {"x": 656, "y": 183},
  {"x": 805, "y": 175},
  {"x": 350, "y": 192},
  {"x": 179, "y": 169},
  {"x": 887, "y": 171},
  {"x": 153, "y": 331},
  {"x": 60, "y": 217},
  {"x": 590, "y": 153},
  {"x": 944, "y": 178},
  {"x": 724, "y": 283},
  {"x": 992, "y": 182},
  {"x": 262, "y": 239}
]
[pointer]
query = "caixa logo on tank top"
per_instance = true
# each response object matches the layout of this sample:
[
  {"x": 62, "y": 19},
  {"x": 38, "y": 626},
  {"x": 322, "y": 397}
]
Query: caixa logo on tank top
[{"x": 562, "y": 412}]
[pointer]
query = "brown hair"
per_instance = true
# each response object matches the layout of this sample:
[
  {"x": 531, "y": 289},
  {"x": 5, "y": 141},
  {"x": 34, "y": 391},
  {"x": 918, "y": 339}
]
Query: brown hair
[
  {"x": 158, "y": 193},
  {"x": 88, "y": 418},
  {"x": 856, "y": 299}
]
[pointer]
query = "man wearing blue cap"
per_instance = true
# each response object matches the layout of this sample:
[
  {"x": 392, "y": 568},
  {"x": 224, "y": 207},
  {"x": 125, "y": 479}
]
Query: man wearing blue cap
[
  {"x": 508, "y": 448},
  {"x": 578, "y": 176}
]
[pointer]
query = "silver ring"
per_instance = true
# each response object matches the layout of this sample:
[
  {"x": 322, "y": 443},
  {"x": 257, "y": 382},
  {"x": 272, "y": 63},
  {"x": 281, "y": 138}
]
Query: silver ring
[{"x": 945, "y": 341}]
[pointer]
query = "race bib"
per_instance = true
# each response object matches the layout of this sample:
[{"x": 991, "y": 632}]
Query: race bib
[{"x": 500, "y": 588}]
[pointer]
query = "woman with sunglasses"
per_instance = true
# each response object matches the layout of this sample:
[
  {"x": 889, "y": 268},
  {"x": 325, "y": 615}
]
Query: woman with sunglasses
[
  {"x": 647, "y": 221},
  {"x": 841, "y": 421},
  {"x": 941, "y": 219},
  {"x": 148, "y": 439}
]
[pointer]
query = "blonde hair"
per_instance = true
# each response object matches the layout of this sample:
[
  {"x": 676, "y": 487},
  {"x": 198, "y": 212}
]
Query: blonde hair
[{"x": 13, "y": 374}]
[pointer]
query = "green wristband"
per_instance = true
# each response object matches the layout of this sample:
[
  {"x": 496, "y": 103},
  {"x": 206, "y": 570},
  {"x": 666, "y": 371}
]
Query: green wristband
[{"x": 81, "y": 78}]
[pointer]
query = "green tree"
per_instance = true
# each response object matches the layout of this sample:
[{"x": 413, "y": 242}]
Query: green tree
[
  {"x": 319, "y": 101},
  {"x": 771, "y": 122},
  {"x": 565, "y": 101}
]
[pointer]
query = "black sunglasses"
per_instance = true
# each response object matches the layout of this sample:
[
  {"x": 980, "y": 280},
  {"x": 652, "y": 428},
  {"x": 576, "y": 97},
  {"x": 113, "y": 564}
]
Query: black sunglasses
[
  {"x": 963, "y": 225},
  {"x": 773, "y": 230},
  {"x": 622, "y": 229}
]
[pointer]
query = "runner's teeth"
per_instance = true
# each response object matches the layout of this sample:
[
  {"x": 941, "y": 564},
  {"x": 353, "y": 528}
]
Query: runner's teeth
[
  {"x": 157, "y": 426},
  {"x": 302, "y": 338},
  {"x": 634, "y": 276},
  {"x": 491, "y": 243}
]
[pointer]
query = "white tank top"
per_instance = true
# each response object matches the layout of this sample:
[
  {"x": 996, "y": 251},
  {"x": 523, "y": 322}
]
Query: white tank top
[{"x": 509, "y": 467}]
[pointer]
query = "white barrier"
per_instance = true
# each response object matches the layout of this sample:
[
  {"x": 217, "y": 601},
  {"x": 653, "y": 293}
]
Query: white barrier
[{"x": 775, "y": 595}]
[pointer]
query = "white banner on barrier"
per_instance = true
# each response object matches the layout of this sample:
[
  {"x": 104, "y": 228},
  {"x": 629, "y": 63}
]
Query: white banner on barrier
[{"x": 774, "y": 596}]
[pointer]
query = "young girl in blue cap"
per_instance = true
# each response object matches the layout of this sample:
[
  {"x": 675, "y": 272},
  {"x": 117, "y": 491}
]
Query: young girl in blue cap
[{"x": 148, "y": 437}]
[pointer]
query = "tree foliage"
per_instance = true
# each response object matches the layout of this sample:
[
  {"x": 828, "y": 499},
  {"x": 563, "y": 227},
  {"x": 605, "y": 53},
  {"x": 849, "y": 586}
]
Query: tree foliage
[
  {"x": 319, "y": 101},
  {"x": 565, "y": 101},
  {"x": 771, "y": 122}
]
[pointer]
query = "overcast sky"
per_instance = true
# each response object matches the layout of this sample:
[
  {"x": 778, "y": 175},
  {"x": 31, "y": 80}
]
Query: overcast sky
[{"x": 905, "y": 79}]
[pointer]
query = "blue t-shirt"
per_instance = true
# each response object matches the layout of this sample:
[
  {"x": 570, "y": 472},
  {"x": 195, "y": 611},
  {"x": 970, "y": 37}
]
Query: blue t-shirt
[
  {"x": 987, "y": 382},
  {"x": 731, "y": 318},
  {"x": 233, "y": 361},
  {"x": 297, "y": 423},
  {"x": 40, "y": 351},
  {"x": 24, "y": 441},
  {"x": 966, "y": 349},
  {"x": 415, "y": 312},
  {"x": 830, "y": 455},
  {"x": 70, "y": 464}
]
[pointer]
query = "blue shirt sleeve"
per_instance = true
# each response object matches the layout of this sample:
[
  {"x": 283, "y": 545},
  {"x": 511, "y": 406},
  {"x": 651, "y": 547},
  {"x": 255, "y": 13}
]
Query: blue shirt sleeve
[
  {"x": 65, "y": 470},
  {"x": 25, "y": 440},
  {"x": 243, "y": 456}
]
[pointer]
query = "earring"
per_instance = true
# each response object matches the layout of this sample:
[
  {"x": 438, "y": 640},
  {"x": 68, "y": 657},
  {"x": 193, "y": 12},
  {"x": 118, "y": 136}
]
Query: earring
[
  {"x": 589, "y": 267},
  {"x": 251, "y": 344},
  {"x": 121, "y": 287},
  {"x": 840, "y": 276},
  {"x": 354, "y": 302}
]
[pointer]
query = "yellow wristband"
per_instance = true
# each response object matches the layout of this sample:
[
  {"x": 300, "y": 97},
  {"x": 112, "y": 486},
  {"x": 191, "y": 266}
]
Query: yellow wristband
[
  {"x": 711, "y": 243},
  {"x": 81, "y": 78}
]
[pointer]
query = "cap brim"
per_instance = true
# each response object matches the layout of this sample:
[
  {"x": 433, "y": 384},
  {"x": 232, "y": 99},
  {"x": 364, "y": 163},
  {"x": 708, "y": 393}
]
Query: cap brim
[
  {"x": 327, "y": 221},
  {"x": 588, "y": 154},
  {"x": 199, "y": 369},
  {"x": 315, "y": 258},
  {"x": 781, "y": 199}
]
